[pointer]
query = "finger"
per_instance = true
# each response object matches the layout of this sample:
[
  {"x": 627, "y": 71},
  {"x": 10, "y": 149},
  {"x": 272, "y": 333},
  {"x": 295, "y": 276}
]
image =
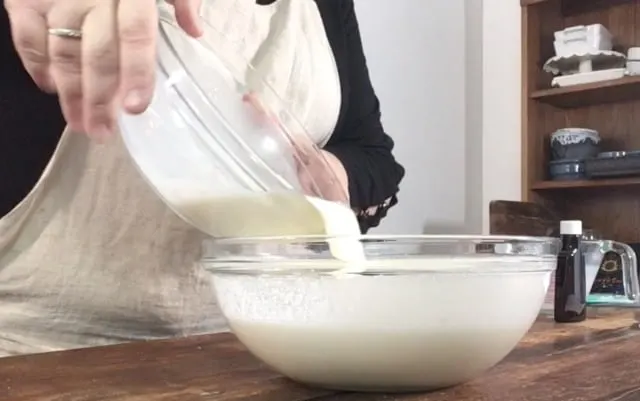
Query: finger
[
  {"x": 188, "y": 16},
  {"x": 302, "y": 152},
  {"x": 302, "y": 147},
  {"x": 29, "y": 33},
  {"x": 100, "y": 69},
  {"x": 317, "y": 178},
  {"x": 137, "y": 27},
  {"x": 262, "y": 115},
  {"x": 306, "y": 184},
  {"x": 301, "y": 144},
  {"x": 65, "y": 57},
  {"x": 335, "y": 180},
  {"x": 308, "y": 181}
]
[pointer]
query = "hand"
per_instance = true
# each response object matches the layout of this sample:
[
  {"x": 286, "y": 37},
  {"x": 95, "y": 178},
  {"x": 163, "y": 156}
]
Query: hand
[
  {"x": 324, "y": 176},
  {"x": 321, "y": 174},
  {"x": 109, "y": 64}
]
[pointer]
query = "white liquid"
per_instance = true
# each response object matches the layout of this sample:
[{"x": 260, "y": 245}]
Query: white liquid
[
  {"x": 386, "y": 333},
  {"x": 375, "y": 359},
  {"x": 278, "y": 214}
]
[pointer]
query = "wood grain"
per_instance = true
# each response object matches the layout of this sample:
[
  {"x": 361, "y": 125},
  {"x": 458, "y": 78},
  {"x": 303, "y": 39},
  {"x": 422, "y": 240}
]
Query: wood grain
[
  {"x": 611, "y": 91},
  {"x": 525, "y": 3},
  {"x": 576, "y": 6},
  {"x": 595, "y": 360},
  {"x": 596, "y": 183},
  {"x": 522, "y": 218}
]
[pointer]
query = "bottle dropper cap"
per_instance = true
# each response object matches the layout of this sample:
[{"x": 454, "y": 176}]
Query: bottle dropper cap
[{"x": 571, "y": 227}]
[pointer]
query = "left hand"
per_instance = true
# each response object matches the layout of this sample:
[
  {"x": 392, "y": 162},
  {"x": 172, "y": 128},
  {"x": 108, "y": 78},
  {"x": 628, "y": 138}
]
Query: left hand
[{"x": 321, "y": 174}]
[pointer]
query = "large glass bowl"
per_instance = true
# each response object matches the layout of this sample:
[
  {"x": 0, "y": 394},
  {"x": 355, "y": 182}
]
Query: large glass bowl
[
  {"x": 427, "y": 311},
  {"x": 201, "y": 139}
]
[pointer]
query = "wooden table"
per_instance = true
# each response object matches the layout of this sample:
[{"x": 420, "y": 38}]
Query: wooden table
[{"x": 598, "y": 360}]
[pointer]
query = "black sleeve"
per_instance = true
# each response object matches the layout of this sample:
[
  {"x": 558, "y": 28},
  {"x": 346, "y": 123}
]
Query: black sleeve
[
  {"x": 31, "y": 124},
  {"x": 361, "y": 143}
]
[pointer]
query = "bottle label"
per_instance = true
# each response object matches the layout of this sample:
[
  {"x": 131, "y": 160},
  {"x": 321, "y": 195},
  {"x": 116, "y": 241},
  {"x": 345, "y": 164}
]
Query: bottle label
[{"x": 609, "y": 279}]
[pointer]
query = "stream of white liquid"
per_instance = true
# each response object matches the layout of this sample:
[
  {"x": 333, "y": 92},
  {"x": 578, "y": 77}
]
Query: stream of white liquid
[{"x": 280, "y": 214}]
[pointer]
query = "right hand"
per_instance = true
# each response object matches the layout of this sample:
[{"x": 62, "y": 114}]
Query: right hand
[
  {"x": 320, "y": 173},
  {"x": 111, "y": 67}
]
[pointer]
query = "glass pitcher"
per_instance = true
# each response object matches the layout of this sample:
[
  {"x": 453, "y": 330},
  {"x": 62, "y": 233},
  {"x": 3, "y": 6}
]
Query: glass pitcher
[{"x": 611, "y": 274}]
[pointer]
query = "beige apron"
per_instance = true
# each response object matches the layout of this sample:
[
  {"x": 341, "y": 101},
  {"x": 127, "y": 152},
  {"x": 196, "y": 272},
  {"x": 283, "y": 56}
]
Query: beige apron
[{"x": 93, "y": 257}]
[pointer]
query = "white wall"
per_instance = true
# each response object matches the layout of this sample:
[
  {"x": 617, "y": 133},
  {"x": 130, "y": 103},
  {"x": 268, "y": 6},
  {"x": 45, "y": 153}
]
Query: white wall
[
  {"x": 501, "y": 116},
  {"x": 416, "y": 56},
  {"x": 474, "y": 188},
  {"x": 447, "y": 73}
]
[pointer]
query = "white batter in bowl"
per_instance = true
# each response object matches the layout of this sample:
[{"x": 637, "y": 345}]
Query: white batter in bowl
[{"x": 428, "y": 312}]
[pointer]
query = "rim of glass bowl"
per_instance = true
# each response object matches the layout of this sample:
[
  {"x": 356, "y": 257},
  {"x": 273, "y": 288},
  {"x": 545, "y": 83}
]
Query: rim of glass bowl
[
  {"x": 249, "y": 162},
  {"x": 477, "y": 254}
]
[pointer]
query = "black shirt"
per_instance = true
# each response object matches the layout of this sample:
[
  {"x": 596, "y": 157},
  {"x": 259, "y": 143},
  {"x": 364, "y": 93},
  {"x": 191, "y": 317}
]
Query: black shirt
[{"x": 31, "y": 122}]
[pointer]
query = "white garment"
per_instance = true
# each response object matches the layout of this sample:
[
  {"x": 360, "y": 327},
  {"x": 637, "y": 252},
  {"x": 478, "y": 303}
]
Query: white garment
[{"x": 91, "y": 256}]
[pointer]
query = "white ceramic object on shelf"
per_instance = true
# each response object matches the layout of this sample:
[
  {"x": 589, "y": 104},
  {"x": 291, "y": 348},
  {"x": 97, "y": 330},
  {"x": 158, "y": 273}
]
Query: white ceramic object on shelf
[
  {"x": 585, "y": 62},
  {"x": 582, "y": 39},
  {"x": 633, "y": 61},
  {"x": 568, "y": 136},
  {"x": 588, "y": 77}
]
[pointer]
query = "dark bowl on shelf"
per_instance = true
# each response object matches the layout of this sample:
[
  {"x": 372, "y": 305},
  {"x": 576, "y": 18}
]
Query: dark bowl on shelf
[
  {"x": 574, "y": 144},
  {"x": 613, "y": 164},
  {"x": 566, "y": 170}
]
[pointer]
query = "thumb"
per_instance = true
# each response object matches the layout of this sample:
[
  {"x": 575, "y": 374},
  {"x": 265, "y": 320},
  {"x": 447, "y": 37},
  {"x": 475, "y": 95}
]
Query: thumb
[{"x": 188, "y": 16}]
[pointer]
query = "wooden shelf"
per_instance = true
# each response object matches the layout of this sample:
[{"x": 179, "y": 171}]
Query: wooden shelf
[
  {"x": 615, "y": 90},
  {"x": 601, "y": 183},
  {"x": 609, "y": 205},
  {"x": 531, "y": 2},
  {"x": 577, "y": 6}
]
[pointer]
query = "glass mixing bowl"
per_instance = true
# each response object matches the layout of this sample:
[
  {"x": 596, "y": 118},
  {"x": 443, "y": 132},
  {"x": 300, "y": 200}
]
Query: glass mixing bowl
[
  {"x": 426, "y": 311},
  {"x": 201, "y": 139}
]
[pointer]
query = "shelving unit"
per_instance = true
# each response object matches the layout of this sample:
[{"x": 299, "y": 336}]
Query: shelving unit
[
  {"x": 531, "y": 2},
  {"x": 610, "y": 206},
  {"x": 572, "y": 6},
  {"x": 559, "y": 185},
  {"x": 614, "y": 91}
]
